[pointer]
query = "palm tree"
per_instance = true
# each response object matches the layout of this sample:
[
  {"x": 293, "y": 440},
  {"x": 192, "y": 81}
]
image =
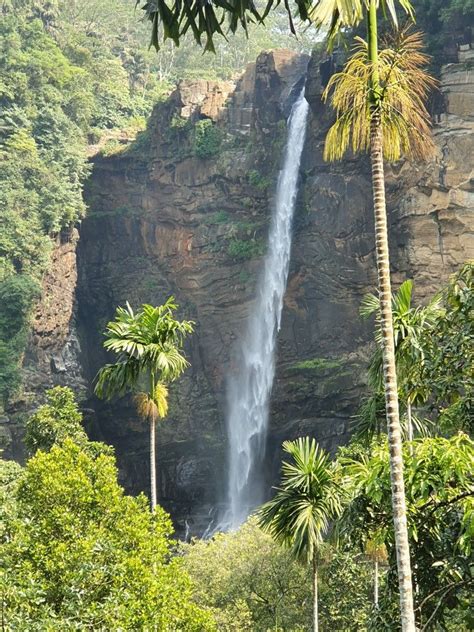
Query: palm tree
[
  {"x": 149, "y": 349},
  {"x": 379, "y": 103},
  {"x": 309, "y": 497},
  {"x": 410, "y": 324},
  {"x": 377, "y": 553}
]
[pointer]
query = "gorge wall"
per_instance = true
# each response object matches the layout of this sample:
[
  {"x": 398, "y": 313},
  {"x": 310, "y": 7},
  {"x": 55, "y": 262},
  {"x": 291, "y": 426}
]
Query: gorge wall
[{"x": 165, "y": 219}]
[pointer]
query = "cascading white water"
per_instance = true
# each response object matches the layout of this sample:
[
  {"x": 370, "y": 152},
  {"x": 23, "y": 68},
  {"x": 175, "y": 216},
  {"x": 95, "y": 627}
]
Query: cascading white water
[{"x": 249, "y": 386}]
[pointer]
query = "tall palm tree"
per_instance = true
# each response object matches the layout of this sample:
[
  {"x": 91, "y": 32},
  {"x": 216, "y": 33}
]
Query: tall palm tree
[
  {"x": 299, "y": 514},
  {"x": 410, "y": 324},
  {"x": 148, "y": 345},
  {"x": 379, "y": 102}
]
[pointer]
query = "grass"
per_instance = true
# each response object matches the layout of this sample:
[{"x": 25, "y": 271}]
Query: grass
[{"x": 317, "y": 364}]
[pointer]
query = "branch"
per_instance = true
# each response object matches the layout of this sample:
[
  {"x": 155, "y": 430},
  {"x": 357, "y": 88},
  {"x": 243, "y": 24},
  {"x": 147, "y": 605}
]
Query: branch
[
  {"x": 445, "y": 503},
  {"x": 446, "y": 591}
]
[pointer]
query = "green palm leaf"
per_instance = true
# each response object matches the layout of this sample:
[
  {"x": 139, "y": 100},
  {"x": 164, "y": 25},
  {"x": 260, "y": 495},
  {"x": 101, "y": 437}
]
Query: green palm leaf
[
  {"x": 148, "y": 345},
  {"x": 309, "y": 498}
]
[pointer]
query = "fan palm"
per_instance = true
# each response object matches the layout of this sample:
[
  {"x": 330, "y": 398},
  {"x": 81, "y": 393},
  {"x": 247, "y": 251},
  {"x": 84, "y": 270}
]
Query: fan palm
[
  {"x": 409, "y": 326},
  {"x": 309, "y": 497},
  {"x": 148, "y": 345}
]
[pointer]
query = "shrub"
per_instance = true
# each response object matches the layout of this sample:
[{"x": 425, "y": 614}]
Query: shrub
[
  {"x": 207, "y": 139},
  {"x": 80, "y": 554},
  {"x": 241, "y": 249},
  {"x": 258, "y": 181}
]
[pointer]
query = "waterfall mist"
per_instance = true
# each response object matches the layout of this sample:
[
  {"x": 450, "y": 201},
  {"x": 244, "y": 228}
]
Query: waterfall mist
[{"x": 250, "y": 384}]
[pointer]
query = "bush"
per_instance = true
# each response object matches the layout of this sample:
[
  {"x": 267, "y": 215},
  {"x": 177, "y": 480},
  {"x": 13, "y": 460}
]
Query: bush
[
  {"x": 17, "y": 294},
  {"x": 251, "y": 583},
  {"x": 207, "y": 139},
  {"x": 242, "y": 249},
  {"x": 258, "y": 181}
]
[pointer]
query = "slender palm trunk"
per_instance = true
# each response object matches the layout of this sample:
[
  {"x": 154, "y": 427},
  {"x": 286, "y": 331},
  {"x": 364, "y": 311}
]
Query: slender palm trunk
[
  {"x": 390, "y": 381},
  {"x": 376, "y": 584},
  {"x": 315, "y": 595},
  {"x": 409, "y": 422},
  {"x": 153, "y": 462},
  {"x": 388, "y": 346}
]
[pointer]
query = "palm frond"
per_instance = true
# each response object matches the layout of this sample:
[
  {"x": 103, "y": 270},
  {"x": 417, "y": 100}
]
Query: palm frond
[
  {"x": 401, "y": 107},
  {"x": 309, "y": 497},
  {"x": 117, "y": 379},
  {"x": 155, "y": 407},
  {"x": 147, "y": 343}
]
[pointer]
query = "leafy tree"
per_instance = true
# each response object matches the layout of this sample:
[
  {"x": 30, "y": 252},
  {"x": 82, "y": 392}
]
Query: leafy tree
[
  {"x": 299, "y": 514},
  {"x": 79, "y": 554},
  {"x": 440, "y": 506},
  {"x": 410, "y": 325},
  {"x": 448, "y": 370},
  {"x": 434, "y": 361},
  {"x": 57, "y": 421},
  {"x": 149, "y": 349},
  {"x": 252, "y": 583}
]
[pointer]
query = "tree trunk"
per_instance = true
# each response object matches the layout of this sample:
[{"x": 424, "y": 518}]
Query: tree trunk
[
  {"x": 409, "y": 422},
  {"x": 153, "y": 462},
  {"x": 388, "y": 344},
  {"x": 315, "y": 595},
  {"x": 376, "y": 584},
  {"x": 390, "y": 378}
]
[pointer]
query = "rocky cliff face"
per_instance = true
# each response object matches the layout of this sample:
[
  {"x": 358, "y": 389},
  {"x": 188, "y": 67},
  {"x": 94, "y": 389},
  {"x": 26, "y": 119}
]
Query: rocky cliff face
[{"x": 184, "y": 211}]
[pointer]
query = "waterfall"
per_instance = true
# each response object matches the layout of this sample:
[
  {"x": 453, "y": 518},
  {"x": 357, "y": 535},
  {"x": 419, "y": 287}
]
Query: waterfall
[{"x": 249, "y": 387}]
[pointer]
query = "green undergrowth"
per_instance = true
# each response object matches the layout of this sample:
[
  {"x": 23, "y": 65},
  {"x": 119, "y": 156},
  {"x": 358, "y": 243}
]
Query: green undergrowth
[{"x": 317, "y": 365}]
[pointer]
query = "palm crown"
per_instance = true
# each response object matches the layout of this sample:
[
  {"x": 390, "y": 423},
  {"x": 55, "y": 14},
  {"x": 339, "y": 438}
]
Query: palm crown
[
  {"x": 147, "y": 342},
  {"x": 404, "y": 87},
  {"x": 307, "y": 500}
]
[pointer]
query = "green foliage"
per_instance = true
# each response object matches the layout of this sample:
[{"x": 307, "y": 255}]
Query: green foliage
[
  {"x": 207, "y": 22},
  {"x": 16, "y": 296},
  {"x": 79, "y": 554},
  {"x": 448, "y": 371},
  {"x": 440, "y": 509},
  {"x": 433, "y": 348},
  {"x": 221, "y": 217},
  {"x": 207, "y": 139},
  {"x": 440, "y": 20},
  {"x": 308, "y": 499},
  {"x": 244, "y": 249},
  {"x": 257, "y": 180},
  {"x": 251, "y": 583},
  {"x": 148, "y": 344},
  {"x": 317, "y": 365},
  {"x": 57, "y": 420}
]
